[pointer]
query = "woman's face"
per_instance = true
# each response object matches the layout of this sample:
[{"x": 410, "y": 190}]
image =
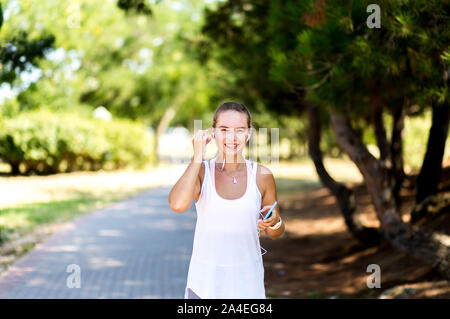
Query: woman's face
[{"x": 231, "y": 132}]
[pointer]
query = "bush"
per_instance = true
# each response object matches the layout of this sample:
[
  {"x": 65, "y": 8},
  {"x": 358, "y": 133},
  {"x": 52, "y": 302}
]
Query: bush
[
  {"x": 133, "y": 147},
  {"x": 44, "y": 142}
]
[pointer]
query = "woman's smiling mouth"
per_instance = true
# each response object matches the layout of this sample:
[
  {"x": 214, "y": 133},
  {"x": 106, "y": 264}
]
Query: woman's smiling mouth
[{"x": 231, "y": 146}]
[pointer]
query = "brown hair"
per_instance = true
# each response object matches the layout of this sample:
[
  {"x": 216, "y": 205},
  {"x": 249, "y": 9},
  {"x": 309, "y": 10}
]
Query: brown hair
[{"x": 235, "y": 107}]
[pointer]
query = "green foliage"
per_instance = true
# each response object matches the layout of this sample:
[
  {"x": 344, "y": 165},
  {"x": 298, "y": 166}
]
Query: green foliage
[
  {"x": 1, "y": 16},
  {"x": 136, "y": 6},
  {"x": 113, "y": 54},
  {"x": 45, "y": 142},
  {"x": 119, "y": 133},
  {"x": 292, "y": 50},
  {"x": 19, "y": 52}
]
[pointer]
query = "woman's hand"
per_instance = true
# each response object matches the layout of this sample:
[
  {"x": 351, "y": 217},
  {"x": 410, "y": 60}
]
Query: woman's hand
[
  {"x": 199, "y": 141},
  {"x": 271, "y": 221}
]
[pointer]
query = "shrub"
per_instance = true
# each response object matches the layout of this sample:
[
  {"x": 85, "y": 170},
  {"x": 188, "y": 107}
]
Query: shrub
[{"x": 45, "y": 142}]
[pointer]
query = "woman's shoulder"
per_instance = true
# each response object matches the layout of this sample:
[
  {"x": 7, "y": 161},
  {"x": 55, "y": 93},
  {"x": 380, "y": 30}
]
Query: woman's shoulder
[
  {"x": 263, "y": 170},
  {"x": 264, "y": 178}
]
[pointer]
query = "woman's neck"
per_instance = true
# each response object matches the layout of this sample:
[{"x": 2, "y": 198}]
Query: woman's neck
[{"x": 232, "y": 163}]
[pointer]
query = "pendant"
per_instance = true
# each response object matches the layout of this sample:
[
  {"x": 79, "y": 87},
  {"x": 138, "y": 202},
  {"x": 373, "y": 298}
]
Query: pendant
[{"x": 234, "y": 180}]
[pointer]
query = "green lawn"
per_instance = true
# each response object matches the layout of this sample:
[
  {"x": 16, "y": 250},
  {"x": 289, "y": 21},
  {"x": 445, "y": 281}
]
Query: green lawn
[
  {"x": 24, "y": 218},
  {"x": 287, "y": 186}
]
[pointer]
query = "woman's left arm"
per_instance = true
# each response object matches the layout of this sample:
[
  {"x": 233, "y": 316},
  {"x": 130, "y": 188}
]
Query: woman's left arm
[{"x": 269, "y": 196}]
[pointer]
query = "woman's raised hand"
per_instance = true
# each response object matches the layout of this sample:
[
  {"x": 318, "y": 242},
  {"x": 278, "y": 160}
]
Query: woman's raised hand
[
  {"x": 271, "y": 221},
  {"x": 199, "y": 142}
]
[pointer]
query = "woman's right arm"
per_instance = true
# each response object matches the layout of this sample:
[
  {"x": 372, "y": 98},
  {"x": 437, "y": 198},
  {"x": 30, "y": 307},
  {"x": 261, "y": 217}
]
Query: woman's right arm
[{"x": 188, "y": 186}]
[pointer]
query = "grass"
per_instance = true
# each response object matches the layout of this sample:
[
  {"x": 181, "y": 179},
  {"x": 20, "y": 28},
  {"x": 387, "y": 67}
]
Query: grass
[
  {"x": 301, "y": 176},
  {"x": 24, "y": 218},
  {"x": 287, "y": 186}
]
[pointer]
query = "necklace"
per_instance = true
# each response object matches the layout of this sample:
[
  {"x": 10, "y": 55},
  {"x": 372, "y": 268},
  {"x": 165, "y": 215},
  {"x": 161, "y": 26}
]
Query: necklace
[{"x": 222, "y": 170}]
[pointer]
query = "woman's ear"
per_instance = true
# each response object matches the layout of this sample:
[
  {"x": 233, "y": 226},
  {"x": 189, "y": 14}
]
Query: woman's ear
[{"x": 250, "y": 131}]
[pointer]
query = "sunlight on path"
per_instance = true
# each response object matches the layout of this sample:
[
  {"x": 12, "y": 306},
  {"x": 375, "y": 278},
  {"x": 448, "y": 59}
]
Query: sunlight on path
[{"x": 21, "y": 190}]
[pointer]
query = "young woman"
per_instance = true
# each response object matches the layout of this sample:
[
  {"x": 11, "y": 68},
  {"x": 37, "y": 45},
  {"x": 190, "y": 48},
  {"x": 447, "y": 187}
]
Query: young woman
[{"x": 232, "y": 195}]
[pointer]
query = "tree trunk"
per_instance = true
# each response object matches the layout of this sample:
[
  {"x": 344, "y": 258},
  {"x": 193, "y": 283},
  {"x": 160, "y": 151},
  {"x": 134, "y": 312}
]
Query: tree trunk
[
  {"x": 344, "y": 196},
  {"x": 396, "y": 152},
  {"x": 391, "y": 155},
  {"x": 163, "y": 124},
  {"x": 433, "y": 248},
  {"x": 15, "y": 168},
  {"x": 380, "y": 132},
  {"x": 428, "y": 178}
]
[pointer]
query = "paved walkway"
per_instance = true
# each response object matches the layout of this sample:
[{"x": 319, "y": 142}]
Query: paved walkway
[{"x": 137, "y": 248}]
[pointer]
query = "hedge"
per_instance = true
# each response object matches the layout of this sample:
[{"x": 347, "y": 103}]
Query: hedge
[{"x": 45, "y": 142}]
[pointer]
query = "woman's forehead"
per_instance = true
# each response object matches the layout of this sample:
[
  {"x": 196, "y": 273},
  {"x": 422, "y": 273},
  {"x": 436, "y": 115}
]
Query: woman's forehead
[{"x": 232, "y": 119}]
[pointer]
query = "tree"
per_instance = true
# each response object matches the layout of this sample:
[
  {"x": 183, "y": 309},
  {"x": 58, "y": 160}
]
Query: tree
[
  {"x": 324, "y": 53},
  {"x": 131, "y": 58},
  {"x": 19, "y": 51},
  {"x": 254, "y": 38}
]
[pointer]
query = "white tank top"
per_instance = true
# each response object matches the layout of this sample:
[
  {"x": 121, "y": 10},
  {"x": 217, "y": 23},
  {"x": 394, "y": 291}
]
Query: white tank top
[{"x": 226, "y": 258}]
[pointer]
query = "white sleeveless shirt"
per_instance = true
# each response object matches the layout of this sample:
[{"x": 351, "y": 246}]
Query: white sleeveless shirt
[{"x": 226, "y": 258}]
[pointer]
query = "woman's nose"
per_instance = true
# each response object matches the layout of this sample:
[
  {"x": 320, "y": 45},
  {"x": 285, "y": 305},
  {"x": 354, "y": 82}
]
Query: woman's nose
[{"x": 230, "y": 136}]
